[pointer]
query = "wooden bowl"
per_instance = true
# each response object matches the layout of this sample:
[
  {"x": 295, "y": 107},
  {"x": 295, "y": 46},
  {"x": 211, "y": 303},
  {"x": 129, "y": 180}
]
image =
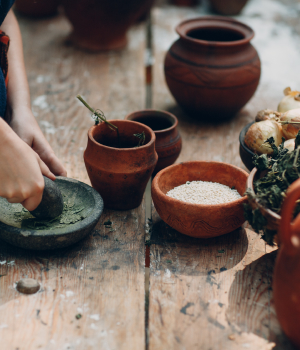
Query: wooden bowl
[
  {"x": 271, "y": 217},
  {"x": 245, "y": 153},
  {"x": 200, "y": 220}
]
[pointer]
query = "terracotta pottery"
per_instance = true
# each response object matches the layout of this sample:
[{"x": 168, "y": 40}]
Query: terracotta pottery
[
  {"x": 168, "y": 140},
  {"x": 200, "y": 220},
  {"x": 102, "y": 25},
  {"x": 212, "y": 70},
  {"x": 245, "y": 152},
  {"x": 286, "y": 280},
  {"x": 185, "y": 2},
  {"x": 228, "y": 7},
  {"x": 120, "y": 175},
  {"x": 37, "y": 8}
]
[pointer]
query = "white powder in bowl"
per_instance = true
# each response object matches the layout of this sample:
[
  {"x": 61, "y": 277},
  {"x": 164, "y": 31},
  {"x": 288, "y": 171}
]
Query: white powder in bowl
[{"x": 204, "y": 192}]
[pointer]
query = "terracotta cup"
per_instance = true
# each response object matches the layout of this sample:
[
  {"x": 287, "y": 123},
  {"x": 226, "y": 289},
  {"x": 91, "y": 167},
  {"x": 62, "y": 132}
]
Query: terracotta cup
[
  {"x": 200, "y": 220},
  {"x": 37, "y": 8},
  {"x": 286, "y": 280},
  {"x": 212, "y": 70},
  {"x": 120, "y": 175},
  {"x": 228, "y": 7},
  {"x": 103, "y": 24},
  {"x": 168, "y": 140}
]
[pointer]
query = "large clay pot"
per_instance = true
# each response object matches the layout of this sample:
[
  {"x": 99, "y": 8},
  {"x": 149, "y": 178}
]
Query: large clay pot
[
  {"x": 120, "y": 175},
  {"x": 37, "y": 8},
  {"x": 103, "y": 24},
  {"x": 212, "y": 70},
  {"x": 168, "y": 140},
  {"x": 286, "y": 280},
  {"x": 228, "y": 7}
]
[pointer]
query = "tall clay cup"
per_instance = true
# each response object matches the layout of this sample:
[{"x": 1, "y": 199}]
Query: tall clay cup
[
  {"x": 286, "y": 280},
  {"x": 168, "y": 140},
  {"x": 212, "y": 70},
  {"x": 120, "y": 175}
]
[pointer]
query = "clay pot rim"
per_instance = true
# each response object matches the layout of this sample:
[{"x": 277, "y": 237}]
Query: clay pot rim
[
  {"x": 149, "y": 144},
  {"x": 156, "y": 111},
  {"x": 249, "y": 183},
  {"x": 156, "y": 188},
  {"x": 195, "y": 23}
]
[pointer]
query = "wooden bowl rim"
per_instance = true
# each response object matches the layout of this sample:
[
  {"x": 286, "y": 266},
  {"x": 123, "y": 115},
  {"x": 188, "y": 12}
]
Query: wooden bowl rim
[{"x": 156, "y": 188}]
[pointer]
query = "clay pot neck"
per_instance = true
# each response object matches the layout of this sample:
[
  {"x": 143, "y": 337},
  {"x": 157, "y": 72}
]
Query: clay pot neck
[{"x": 214, "y": 32}]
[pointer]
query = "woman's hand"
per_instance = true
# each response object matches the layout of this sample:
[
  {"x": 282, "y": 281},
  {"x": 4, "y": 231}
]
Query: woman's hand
[
  {"x": 21, "y": 170},
  {"x": 26, "y": 127}
]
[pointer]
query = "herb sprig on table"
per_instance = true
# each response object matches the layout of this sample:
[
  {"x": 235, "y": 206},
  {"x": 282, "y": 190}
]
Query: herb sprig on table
[{"x": 281, "y": 169}]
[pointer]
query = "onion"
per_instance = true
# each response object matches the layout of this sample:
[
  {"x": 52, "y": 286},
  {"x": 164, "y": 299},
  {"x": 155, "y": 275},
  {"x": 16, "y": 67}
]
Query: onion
[
  {"x": 267, "y": 114},
  {"x": 259, "y": 132},
  {"x": 290, "y": 130},
  {"x": 291, "y": 100},
  {"x": 289, "y": 144}
]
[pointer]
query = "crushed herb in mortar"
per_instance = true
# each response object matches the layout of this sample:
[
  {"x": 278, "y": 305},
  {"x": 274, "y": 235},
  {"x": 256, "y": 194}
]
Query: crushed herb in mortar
[{"x": 281, "y": 169}]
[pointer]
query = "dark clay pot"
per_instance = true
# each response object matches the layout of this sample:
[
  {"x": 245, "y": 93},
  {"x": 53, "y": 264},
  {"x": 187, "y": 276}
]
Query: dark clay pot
[
  {"x": 37, "y": 8},
  {"x": 168, "y": 140},
  {"x": 228, "y": 7},
  {"x": 102, "y": 24},
  {"x": 212, "y": 70},
  {"x": 120, "y": 175},
  {"x": 185, "y": 2},
  {"x": 286, "y": 279}
]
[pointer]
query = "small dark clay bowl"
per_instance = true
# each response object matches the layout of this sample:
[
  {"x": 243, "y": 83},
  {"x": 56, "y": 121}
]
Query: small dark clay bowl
[
  {"x": 245, "y": 153},
  {"x": 55, "y": 238},
  {"x": 200, "y": 220}
]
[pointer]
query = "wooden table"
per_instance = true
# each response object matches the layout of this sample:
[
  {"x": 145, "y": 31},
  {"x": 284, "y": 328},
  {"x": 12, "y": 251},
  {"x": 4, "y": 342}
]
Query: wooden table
[{"x": 204, "y": 294}]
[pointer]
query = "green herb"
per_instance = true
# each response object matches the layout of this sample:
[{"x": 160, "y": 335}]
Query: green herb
[
  {"x": 142, "y": 138},
  {"x": 98, "y": 116},
  {"x": 78, "y": 316},
  {"x": 221, "y": 251},
  {"x": 281, "y": 170},
  {"x": 169, "y": 261},
  {"x": 107, "y": 223}
]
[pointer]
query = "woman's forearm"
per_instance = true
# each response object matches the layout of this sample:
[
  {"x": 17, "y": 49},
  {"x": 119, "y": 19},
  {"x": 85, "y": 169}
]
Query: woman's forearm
[{"x": 18, "y": 89}]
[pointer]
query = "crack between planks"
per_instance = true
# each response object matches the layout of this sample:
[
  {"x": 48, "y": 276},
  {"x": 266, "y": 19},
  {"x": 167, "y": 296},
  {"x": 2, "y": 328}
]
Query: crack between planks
[{"x": 148, "y": 200}]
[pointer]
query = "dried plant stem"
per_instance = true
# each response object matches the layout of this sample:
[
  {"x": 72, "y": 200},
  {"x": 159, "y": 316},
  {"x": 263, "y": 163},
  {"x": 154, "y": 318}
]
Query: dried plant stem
[{"x": 98, "y": 115}]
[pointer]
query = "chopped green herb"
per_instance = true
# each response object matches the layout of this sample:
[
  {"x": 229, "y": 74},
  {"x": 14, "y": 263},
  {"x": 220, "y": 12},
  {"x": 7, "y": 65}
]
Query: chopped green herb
[
  {"x": 78, "y": 316},
  {"x": 221, "y": 251}
]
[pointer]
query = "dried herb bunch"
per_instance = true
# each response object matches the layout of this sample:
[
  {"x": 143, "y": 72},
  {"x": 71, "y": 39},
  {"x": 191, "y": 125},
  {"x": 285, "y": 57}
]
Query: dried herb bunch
[{"x": 282, "y": 168}]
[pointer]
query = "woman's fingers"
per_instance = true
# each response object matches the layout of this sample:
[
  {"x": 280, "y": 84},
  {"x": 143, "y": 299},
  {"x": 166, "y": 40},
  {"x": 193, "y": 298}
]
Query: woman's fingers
[{"x": 45, "y": 170}]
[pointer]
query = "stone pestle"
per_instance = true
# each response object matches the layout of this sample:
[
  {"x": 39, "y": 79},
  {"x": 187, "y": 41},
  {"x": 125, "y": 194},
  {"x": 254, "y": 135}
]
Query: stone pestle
[{"x": 52, "y": 203}]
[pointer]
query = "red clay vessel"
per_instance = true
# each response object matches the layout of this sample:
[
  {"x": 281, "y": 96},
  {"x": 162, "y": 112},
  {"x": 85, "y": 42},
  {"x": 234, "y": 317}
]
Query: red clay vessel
[
  {"x": 286, "y": 280},
  {"x": 212, "y": 70},
  {"x": 228, "y": 7},
  {"x": 168, "y": 140},
  {"x": 102, "y": 25},
  {"x": 37, "y": 8},
  {"x": 120, "y": 175}
]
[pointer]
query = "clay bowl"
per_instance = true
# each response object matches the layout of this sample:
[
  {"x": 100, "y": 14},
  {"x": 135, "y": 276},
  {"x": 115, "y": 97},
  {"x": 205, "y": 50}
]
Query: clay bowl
[
  {"x": 168, "y": 140},
  {"x": 272, "y": 218},
  {"x": 228, "y": 7},
  {"x": 245, "y": 153},
  {"x": 12, "y": 228},
  {"x": 200, "y": 220}
]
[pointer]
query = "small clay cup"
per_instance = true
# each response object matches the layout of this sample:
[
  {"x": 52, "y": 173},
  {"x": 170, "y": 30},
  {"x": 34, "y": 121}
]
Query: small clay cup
[
  {"x": 212, "y": 70},
  {"x": 120, "y": 175},
  {"x": 200, "y": 220},
  {"x": 37, "y": 8},
  {"x": 168, "y": 140},
  {"x": 245, "y": 153},
  {"x": 228, "y": 7}
]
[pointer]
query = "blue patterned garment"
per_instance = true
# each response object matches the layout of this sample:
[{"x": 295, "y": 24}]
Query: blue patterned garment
[{"x": 5, "y": 6}]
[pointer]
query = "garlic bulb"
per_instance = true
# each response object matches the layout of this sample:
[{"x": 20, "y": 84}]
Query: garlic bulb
[
  {"x": 259, "y": 132},
  {"x": 291, "y": 100},
  {"x": 266, "y": 114},
  {"x": 290, "y": 130},
  {"x": 289, "y": 144}
]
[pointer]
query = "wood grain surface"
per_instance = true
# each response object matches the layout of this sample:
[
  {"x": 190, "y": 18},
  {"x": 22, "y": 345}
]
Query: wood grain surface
[
  {"x": 101, "y": 279},
  {"x": 217, "y": 294}
]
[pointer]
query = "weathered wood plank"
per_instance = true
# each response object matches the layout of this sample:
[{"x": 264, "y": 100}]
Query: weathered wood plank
[
  {"x": 102, "y": 277},
  {"x": 216, "y": 294}
]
